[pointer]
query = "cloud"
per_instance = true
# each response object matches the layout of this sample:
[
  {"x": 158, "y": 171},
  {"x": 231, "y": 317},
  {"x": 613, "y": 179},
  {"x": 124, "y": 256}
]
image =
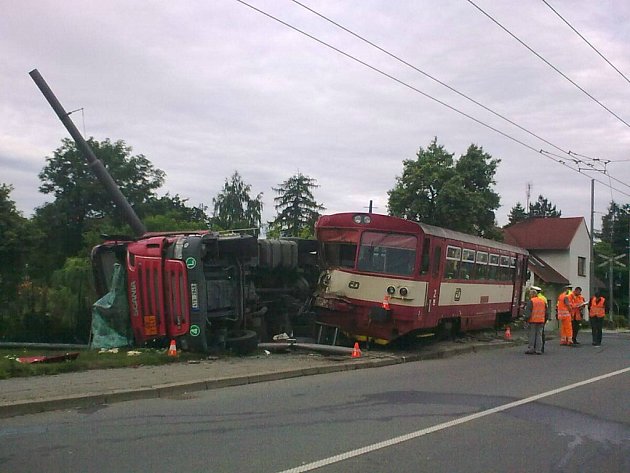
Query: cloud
[{"x": 203, "y": 89}]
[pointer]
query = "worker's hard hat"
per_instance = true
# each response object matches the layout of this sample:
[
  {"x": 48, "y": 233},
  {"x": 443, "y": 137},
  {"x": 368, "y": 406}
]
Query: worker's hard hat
[{"x": 536, "y": 288}]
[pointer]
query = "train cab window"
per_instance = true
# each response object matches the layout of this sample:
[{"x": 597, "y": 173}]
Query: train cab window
[
  {"x": 468, "y": 264},
  {"x": 389, "y": 253},
  {"x": 424, "y": 262},
  {"x": 453, "y": 261},
  {"x": 339, "y": 255},
  {"x": 338, "y": 247},
  {"x": 493, "y": 267},
  {"x": 481, "y": 265}
]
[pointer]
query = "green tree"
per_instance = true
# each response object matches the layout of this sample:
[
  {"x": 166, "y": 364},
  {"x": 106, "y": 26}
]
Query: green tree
[
  {"x": 297, "y": 209},
  {"x": 417, "y": 193},
  {"x": 170, "y": 213},
  {"x": 614, "y": 240},
  {"x": 543, "y": 208},
  {"x": 517, "y": 214},
  {"x": 16, "y": 239},
  {"x": 234, "y": 208},
  {"x": 476, "y": 170},
  {"x": 81, "y": 202},
  {"x": 70, "y": 300},
  {"x": 436, "y": 190}
]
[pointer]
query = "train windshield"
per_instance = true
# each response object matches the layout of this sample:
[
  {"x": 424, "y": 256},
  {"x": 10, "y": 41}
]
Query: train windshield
[
  {"x": 387, "y": 253},
  {"x": 339, "y": 247}
]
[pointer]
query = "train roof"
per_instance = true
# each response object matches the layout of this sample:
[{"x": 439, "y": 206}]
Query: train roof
[
  {"x": 398, "y": 224},
  {"x": 465, "y": 237}
]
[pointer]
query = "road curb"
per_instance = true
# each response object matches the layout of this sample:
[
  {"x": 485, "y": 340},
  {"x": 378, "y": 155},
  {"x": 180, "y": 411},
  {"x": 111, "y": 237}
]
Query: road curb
[{"x": 83, "y": 401}]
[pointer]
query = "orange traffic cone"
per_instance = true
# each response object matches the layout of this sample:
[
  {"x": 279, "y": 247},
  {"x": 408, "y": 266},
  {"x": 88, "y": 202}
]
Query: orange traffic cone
[
  {"x": 386, "y": 303},
  {"x": 172, "y": 349},
  {"x": 508, "y": 333},
  {"x": 356, "y": 351}
]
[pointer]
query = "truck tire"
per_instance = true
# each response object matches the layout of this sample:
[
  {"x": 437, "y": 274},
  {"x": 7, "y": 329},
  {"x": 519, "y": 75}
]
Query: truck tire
[{"x": 241, "y": 342}]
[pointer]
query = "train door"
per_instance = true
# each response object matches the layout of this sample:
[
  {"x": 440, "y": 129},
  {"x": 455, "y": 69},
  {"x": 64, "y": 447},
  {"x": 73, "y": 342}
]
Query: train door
[
  {"x": 435, "y": 276},
  {"x": 520, "y": 270}
]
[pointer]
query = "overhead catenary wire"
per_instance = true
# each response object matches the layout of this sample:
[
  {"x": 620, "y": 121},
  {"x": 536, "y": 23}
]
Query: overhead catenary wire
[
  {"x": 449, "y": 87},
  {"x": 542, "y": 152},
  {"x": 548, "y": 63},
  {"x": 461, "y": 94},
  {"x": 586, "y": 41}
]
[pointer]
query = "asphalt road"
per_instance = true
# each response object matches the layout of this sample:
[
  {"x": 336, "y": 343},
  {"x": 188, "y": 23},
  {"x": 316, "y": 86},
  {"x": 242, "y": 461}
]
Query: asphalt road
[{"x": 492, "y": 411}]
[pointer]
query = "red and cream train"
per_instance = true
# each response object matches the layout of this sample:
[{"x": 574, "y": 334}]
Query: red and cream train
[{"x": 385, "y": 277}]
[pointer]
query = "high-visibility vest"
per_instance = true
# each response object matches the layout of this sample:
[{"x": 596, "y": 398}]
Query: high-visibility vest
[
  {"x": 575, "y": 301},
  {"x": 597, "y": 307},
  {"x": 563, "y": 309},
  {"x": 538, "y": 311}
]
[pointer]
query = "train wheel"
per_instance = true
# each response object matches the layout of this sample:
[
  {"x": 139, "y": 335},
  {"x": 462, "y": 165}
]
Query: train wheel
[
  {"x": 448, "y": 329},
  {"x": 241, "y": 342}
]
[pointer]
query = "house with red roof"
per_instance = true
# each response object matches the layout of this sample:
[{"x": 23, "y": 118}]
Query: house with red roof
[{"x": 559, "y": 253}]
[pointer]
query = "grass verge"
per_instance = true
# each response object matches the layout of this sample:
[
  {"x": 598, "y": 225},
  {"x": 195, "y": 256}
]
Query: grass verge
[{"x": 10, "y": 367}]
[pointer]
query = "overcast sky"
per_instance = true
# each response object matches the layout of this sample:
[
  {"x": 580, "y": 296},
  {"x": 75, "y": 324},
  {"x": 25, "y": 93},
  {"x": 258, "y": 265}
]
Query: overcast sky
[{"x": 204, "y": 88}]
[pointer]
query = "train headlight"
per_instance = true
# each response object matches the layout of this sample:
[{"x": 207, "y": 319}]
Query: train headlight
[
  {"x": 391, "y": 290},
  {"x": 359, "y": 219},
  {"x": 324, "y": 280},
  {"x": 403, "y": 291}
]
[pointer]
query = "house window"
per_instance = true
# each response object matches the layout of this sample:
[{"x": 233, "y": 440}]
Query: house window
[{"x": 581, "y": 266}]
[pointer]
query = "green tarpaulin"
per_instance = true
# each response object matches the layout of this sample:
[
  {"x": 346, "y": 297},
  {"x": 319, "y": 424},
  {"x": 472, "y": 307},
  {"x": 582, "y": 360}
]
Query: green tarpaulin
[{"x": 110, "y": 315}]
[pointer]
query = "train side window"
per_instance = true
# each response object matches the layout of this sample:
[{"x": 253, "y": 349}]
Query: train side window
[
  {"x": 453, "y": 260},
  {"x": 468, "y": 264},
  {"x": 493, "y": 267},
  {"x": 424, "y": 264},
  {"x": 481, "y": 265}
]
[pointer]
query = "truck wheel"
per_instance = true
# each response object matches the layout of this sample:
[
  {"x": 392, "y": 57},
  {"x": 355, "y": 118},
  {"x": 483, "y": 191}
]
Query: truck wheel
[{"x": 241, "y": 342}]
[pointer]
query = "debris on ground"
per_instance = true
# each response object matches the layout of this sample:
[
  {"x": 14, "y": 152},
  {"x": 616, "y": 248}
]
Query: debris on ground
[
  {"x": 48, "y": 359},
  {"x": 111, "y": 350}
]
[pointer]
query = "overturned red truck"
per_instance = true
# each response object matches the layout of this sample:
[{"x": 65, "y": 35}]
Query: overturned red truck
[{"x": 205, "y": 289}]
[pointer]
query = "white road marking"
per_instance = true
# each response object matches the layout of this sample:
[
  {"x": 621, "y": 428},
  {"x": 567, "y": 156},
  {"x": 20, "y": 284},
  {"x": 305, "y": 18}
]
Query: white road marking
[{"x": 419, "y": 433}]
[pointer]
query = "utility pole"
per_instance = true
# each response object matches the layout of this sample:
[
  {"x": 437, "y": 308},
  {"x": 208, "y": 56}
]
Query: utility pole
[
  {"x": 611, "y": 261},
  {"x": 591, "y": 266},
  {"x": 610, "y": 289},
  {"x": 628, "y": 267},
  {"x": 528, "y": 193}
]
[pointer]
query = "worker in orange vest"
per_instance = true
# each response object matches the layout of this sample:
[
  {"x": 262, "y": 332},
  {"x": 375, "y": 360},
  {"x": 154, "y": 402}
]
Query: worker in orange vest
[
  {"x": 597, "y": 312},
  {"x": 564, "y": 317},
  {"x": 577, "y": 302},
  {"x": 535, "y": 315}
]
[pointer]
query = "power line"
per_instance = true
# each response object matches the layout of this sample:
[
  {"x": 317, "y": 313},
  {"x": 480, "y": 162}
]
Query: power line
[
  {"x": 476, "y": 102},
  {"x": 399, "y": 81},
  {"x": 586, "y": 41},
  {"x": 461, "y": 94},
  {"x": 549, "y": 64}
]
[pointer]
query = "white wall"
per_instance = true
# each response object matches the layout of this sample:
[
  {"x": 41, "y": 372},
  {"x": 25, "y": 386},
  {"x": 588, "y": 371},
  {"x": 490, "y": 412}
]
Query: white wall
[
  {"x": 580, "y": 247},
  {"x": 566, "y": 262}
]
